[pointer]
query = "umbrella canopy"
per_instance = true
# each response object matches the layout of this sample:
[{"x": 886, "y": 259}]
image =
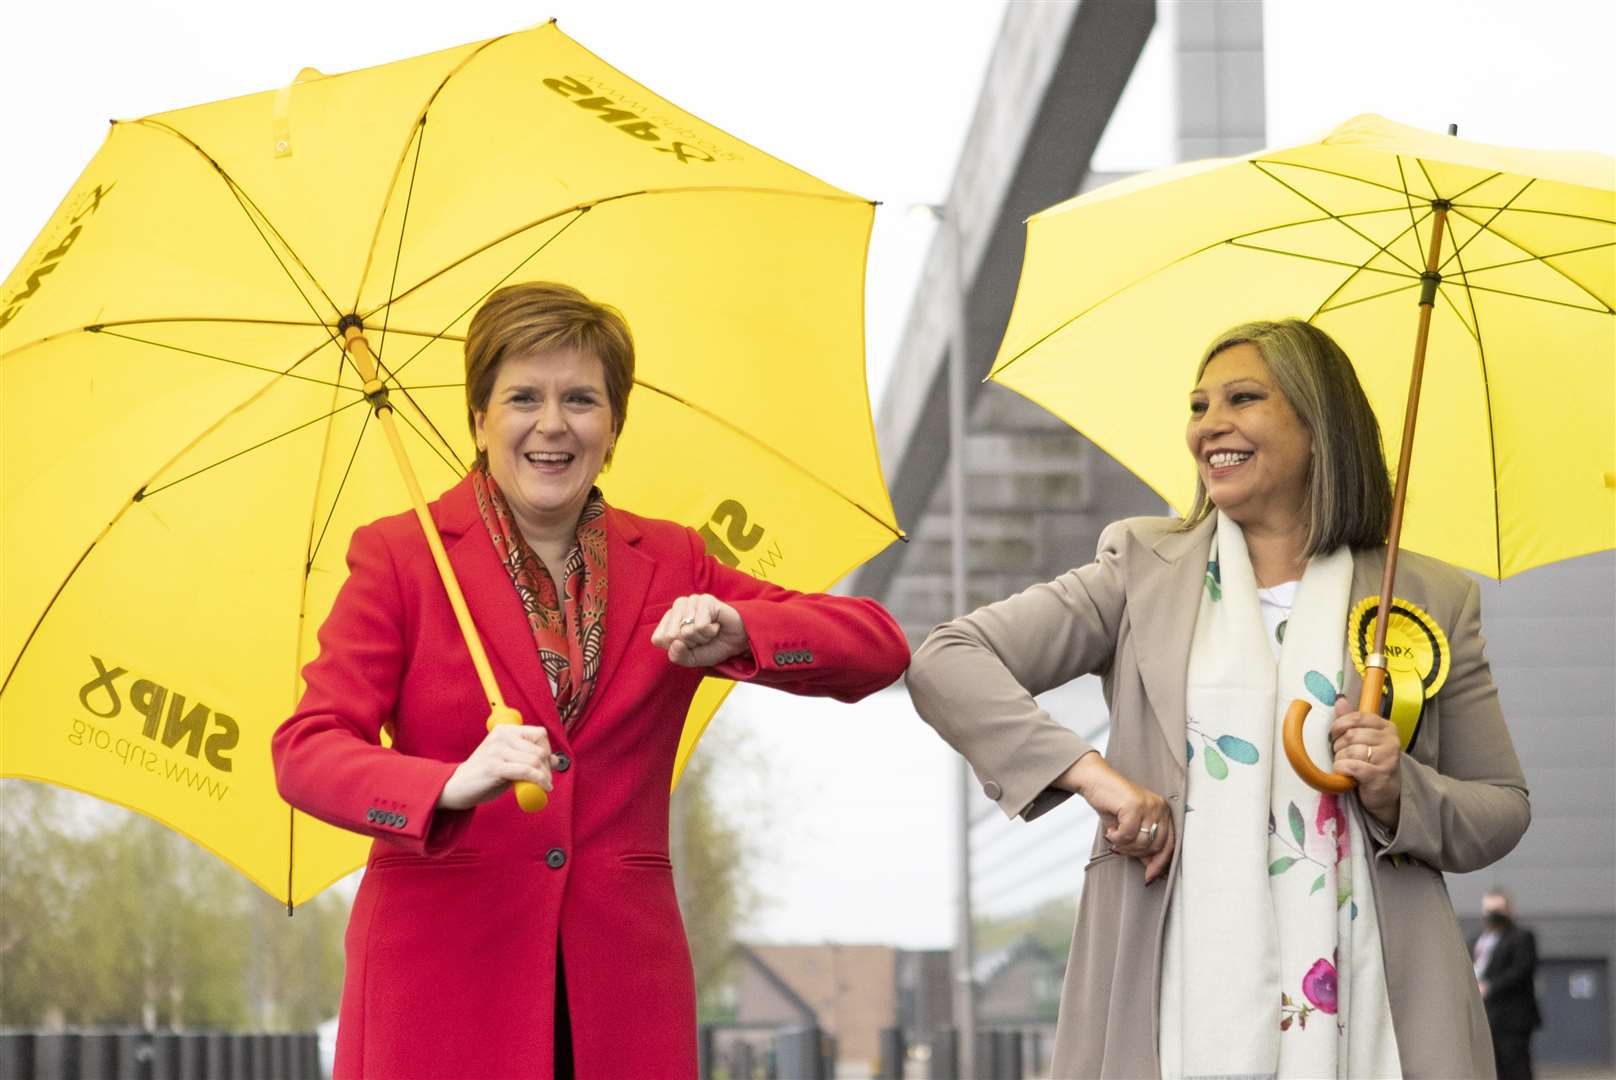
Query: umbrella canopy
[
  {"x": 1514, "y": 462},
  {"x": 187, "y": 448}
]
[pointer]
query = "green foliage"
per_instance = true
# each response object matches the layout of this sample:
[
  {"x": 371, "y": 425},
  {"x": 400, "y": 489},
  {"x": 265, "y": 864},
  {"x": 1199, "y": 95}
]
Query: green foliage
[
  {"x": 1049, "y": 924},
  {"x": 107, "y": 918},
  {"x": 713, "y": 857}
]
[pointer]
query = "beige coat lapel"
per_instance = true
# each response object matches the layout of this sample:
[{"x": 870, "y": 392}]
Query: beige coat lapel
[{"x": 1164, "y": 591}]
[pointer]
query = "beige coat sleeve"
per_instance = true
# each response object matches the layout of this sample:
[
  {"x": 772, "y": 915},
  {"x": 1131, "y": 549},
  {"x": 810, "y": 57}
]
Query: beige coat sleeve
[
  {"x": 1472, "y": 808},
  {"x": 974, "y": 679}
]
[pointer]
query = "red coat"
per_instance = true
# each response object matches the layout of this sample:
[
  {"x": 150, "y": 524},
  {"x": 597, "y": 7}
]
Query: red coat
[{"x": 451, "y": 947}]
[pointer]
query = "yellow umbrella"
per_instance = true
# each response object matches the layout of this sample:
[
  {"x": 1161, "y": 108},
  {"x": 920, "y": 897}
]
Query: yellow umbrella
[
  {"x": 188, "y": 444},
  {"x": 1494, "y": 267}
]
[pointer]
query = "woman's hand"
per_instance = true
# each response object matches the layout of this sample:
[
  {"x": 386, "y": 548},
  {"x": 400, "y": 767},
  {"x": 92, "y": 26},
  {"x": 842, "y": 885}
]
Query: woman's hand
[
  {"x": 1368, "y": 750},
  {"x": 509, "y": 753},
  {"x": 700, "y": 631},
  {"x": 1137, "y": 821}
]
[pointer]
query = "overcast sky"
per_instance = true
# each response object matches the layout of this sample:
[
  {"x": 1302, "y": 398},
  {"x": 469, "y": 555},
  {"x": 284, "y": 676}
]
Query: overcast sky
[{"x": 873, "y": 96}]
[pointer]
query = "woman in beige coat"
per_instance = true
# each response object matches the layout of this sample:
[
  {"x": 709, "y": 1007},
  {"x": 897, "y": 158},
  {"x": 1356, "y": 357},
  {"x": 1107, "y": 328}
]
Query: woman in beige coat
[{"x": 1291, "y": 482}]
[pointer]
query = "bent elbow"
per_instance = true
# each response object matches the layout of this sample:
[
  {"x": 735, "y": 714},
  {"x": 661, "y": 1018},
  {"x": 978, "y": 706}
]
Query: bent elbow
[
  {"x": 1505, "y": 825},
  {"x": 1516, "y": 820}
]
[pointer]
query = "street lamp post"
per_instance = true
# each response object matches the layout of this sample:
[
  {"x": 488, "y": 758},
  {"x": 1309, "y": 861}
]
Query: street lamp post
[{"x": 964, "y": 996}]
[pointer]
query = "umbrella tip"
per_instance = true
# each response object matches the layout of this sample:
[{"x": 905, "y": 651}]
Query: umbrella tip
[{"x": 1453, "y": 129}]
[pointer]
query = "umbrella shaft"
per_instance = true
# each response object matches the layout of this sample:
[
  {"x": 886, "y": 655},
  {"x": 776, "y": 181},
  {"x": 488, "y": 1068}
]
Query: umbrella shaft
[
  {"x": 359, "y": 351},
  {"x": 1429, "y": 280}
]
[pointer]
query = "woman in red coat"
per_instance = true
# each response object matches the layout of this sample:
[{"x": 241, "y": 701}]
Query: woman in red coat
[{"x": 484, "y": 941}]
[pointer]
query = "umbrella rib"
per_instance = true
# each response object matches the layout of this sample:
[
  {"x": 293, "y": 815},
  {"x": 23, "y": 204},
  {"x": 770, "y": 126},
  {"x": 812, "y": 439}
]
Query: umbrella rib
[
  {"x": 1408, "y": 196},
  {"x": 281, "y": 263},
  {"x": 426, "y": 417},
  {"x": 1361, "y": 268},
  {"x": 454, "y": 467},
  {"x": 417, "y": 135},
  {"x": 1327, "y": 307},
  {"x": 1487, "y": 412},
  {"x": 1312, "y": 221},
  {"x": 1326, "y": 172},
  {"x": 1603, "y": 307},
  {"x": 1536, "y": 210},
  {"x": 1536, "y": 258},
  {"x": 578, "y": 214},
  {"x": 1473, "y": 331},
  {"x": 254, "y": 215},
  {"x": 1064, "y": 323},
  {"x": 747, "y": 435},
  {"x": 67, "y": 579},
  {"x": 1325, "y": 210},
  {"x": 221, "y": 359},
  {"x": 1465, "y": 191},
  {"x": 145, "y": 322},
  {"x": 309, "y": 546},
  {"x": 314, "y": 549},
  {"x": 1484, "y": 227},
  {"x": 29, "y": 640},
  {"x": 398, "y": 252},
  {"x": 146, "y": 493},
  {"x": 1540, "y": 299},
  {"x": 1355, "y": 267},
  {"x": 581, "y": 208}
]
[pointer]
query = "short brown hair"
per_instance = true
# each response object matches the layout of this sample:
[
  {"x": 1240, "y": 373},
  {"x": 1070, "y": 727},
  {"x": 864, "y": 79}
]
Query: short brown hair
[
  {"x": 1349, "y": 492},
  {"x": 538, "y": 316}
]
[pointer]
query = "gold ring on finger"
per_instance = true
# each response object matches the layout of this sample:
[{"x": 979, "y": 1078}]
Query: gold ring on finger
[{"x": 1369, "y": 753}]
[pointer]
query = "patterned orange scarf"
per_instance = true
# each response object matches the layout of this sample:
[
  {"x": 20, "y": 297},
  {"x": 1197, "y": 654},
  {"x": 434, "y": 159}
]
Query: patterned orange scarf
[{"x": 570, "y": 630}]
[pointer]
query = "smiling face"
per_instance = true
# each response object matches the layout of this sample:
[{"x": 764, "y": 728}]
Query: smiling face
[
  {"x": 1251, "y": 449},
  {"x": 547, "y": 430}
]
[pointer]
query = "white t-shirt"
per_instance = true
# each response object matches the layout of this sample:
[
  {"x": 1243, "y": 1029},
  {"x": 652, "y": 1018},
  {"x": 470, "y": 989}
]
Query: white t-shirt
[{"x": 1276, "y": 604}]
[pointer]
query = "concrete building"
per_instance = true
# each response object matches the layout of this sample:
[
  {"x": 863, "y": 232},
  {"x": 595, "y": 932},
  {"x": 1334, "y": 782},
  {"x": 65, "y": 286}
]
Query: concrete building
[{"x": 1039, "y": 493}]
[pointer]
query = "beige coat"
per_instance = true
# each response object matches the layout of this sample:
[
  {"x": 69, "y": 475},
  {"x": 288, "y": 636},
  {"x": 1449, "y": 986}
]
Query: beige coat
[{"x": 1129, "y": 617}]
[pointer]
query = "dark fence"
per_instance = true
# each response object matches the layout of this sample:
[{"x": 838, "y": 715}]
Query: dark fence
[
  {"x": 808, "y": 1053},
  {"x": 133, "y": 1054}
]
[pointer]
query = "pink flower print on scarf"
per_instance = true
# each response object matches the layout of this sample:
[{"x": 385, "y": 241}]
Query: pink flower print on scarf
[
  {"x": 1318, "y": 985},
  {"x": 1332, "y": 821}
]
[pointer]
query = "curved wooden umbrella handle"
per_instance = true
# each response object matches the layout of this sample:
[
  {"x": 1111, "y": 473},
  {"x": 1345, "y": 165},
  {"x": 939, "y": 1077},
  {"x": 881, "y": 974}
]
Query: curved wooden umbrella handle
[
  {"x": 1316, "y": 778},
  {"x": 1313, "y": 776}
]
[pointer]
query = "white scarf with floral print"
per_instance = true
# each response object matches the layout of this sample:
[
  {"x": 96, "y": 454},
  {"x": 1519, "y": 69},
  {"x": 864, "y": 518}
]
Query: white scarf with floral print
[{"x": 1272, "y": 964}]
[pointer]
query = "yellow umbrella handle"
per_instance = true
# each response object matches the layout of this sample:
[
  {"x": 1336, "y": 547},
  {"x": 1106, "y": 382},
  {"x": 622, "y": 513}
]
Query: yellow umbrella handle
[{"x": 530, "y": 797}]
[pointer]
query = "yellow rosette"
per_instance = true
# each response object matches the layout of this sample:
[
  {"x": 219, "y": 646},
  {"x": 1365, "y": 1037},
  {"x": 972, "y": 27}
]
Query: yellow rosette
[{"x": 1417, "y": 659}]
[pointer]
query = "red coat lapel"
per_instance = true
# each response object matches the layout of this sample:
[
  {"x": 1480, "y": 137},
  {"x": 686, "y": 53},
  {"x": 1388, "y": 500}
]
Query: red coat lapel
[{"x": 628, "y": 579}]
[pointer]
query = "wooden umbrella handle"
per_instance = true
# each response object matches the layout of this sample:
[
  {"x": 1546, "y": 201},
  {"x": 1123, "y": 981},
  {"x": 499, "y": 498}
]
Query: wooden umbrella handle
[
  {"x": 1313, "y": 776},
  {"x": 1374, "y": 685}
]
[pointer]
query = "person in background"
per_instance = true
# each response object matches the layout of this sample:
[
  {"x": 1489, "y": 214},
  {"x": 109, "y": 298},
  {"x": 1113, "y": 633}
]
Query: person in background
[{"x": 1506, "y": 965}]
